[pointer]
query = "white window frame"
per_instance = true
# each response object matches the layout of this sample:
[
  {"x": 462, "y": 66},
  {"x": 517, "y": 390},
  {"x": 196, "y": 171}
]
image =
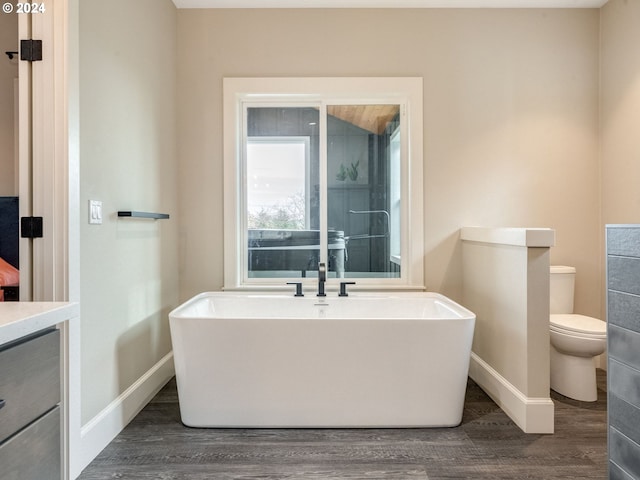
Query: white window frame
[
  {"x": 394, "y": 197},
  {"x": 323, "y": 91}
]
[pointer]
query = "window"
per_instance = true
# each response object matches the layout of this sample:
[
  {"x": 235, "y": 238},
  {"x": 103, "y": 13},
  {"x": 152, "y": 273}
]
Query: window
[
  {"x": 323, "y": 171},
  {"x": 277, "y": 182}
]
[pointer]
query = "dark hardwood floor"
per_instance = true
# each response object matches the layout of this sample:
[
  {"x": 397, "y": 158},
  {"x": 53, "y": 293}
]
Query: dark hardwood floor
[{"x": 487, "y": 445}]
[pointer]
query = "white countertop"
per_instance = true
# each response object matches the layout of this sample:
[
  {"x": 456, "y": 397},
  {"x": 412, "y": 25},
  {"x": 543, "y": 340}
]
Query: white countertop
[{"x": 18, "y": 319}]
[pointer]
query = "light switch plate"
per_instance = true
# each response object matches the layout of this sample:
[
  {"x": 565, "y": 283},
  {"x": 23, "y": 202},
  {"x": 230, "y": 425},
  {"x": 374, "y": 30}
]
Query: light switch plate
[{"x": 95, "y": 212}]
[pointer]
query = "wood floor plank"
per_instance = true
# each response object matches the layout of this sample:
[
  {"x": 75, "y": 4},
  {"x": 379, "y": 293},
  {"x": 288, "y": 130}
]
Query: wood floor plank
[{"x": 487, "y": 445}]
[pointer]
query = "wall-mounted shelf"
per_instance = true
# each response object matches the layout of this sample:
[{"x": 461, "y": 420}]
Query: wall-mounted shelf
[{"x": 155, "y": 216}]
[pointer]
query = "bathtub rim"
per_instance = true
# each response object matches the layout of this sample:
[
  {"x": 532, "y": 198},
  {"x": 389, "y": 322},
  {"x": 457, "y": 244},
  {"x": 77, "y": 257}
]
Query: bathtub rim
[{"x": 459, "y": 312}]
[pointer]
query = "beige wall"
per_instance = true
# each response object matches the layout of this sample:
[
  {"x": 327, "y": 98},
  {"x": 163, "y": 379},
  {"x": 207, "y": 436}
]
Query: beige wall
[
  {"x": 510, "y": 120},
  {"x": 8, "y": 72},
  {"x": 620, "y": 111},
  {"x": 129, "y": 279}
]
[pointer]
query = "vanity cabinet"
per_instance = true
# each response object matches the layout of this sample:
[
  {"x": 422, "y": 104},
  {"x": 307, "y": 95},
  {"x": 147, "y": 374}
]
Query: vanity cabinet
[
  {"x": 30, "y": 417},
  {"x": 623, "y": 338}
]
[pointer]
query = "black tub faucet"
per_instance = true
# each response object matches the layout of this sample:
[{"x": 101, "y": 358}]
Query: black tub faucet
[
  {"x": 322, "y": 277},
  {"x": 298, "y": 288},
  {"x": 343, "y": 288}
]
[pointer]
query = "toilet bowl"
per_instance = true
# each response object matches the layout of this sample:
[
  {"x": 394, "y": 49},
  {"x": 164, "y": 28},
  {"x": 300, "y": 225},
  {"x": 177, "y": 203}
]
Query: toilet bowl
[{"x": 575, "y": 340}]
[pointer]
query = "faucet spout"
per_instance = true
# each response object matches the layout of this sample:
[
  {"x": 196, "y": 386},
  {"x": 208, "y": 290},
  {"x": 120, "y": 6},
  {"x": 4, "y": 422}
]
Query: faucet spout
[{"x": 322, "y": 277}]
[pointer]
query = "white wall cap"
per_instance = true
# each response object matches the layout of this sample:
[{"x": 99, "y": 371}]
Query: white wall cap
[
  {"x": 520, "y": 237},
  {"x": 562, "y": 269}
]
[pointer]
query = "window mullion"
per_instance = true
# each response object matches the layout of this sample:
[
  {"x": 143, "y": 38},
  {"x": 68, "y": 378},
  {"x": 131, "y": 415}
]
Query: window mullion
[{"x": 323, "y": 185}]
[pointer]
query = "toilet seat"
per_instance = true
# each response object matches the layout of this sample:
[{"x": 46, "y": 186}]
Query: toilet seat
[{"x": 579, "y": 325}]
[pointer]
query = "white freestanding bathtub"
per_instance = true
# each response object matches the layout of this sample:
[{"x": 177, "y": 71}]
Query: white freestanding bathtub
[{"x": 366, "y": 360}]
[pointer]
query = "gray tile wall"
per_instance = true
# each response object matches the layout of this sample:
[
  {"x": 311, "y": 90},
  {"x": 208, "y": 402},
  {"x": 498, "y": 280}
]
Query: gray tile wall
[{"x": 623, "y": 315}]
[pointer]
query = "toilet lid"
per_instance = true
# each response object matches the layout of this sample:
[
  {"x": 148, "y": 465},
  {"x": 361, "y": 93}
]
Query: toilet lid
[{"x": 579, "y": 324}]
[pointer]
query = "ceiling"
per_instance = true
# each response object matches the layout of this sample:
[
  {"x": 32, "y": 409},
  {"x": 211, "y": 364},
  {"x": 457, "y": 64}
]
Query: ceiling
[
  {"x": 373, "y": 118},
  {"x": 389, "y": 3}
]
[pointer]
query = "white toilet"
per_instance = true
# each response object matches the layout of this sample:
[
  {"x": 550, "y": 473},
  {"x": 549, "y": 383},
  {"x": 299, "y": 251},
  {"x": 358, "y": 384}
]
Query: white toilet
[{"x": 575, "y": 340}]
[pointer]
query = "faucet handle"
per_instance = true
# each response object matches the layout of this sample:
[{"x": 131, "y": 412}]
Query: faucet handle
[
  {"x": 298, "y": 288},
  {"x": 343, "y": 288}
]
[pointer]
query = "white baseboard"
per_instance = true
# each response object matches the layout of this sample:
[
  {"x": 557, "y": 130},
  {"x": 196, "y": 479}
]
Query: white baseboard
[
  {"x": 532, "y": 415},
  {"x": 104, "y": 427}
]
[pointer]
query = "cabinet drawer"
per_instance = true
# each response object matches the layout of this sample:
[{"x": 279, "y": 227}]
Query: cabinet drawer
[
  {"x": 624, "y": 417},
  {"x": 624, "y": 346},
  {"x": 623, "y": 382},
  {"x": 624, "y": 274},
  {"x": 29, "y": 381},
  {"x": 34, "y": 453},
  {"x": 625, "y": 453},
  {"x": 622, "y": 310},
  {"x": 624, "y": 241}
]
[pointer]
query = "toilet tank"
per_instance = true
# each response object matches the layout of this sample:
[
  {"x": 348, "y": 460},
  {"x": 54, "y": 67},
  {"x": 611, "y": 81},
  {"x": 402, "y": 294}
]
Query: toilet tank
[{"x": 561, "y": 288}]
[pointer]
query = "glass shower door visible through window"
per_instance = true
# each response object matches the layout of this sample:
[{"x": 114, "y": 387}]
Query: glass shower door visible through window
[
  {"x": 282, "y": 192},
  {"x": 363, "y": 189}
]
